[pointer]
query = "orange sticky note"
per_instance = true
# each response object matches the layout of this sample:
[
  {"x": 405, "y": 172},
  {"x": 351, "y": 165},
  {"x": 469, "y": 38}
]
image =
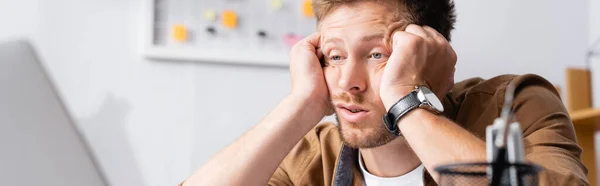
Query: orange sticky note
[
  {"x": 229, "y": 19},
  {"x": 179, "y": 32},
  {"x": 307, "y": 9}
]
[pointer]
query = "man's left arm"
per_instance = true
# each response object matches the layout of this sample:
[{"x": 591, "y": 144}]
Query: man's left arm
[
  {"x": 438, "y": 141},
  {"x": 549, "y": 138},
  {"x": 421, "y": 55}
]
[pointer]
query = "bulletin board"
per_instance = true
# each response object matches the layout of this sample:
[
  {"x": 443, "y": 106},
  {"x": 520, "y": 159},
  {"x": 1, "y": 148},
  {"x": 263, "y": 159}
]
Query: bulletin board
[{"x": 252, "y": 32}]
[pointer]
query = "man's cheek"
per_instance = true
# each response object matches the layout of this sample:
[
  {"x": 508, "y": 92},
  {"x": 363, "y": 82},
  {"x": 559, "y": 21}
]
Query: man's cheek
[
  {"x": 331, "y": 77},
  {"x": 376, "y": 82}
]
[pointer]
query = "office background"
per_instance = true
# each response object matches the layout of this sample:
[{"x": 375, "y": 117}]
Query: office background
[{"x": 153, "y": 122}]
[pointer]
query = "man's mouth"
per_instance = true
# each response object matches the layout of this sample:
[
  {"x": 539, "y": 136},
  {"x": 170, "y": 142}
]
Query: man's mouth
[
  {"x": 352, "y": 113},
  {"x": 356, "y": 110}
]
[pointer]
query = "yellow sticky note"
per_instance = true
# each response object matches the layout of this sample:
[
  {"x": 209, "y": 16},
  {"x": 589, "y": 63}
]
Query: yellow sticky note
[
  {"x": 229, "y": 19},
  {"x": 307, "y": 9},
  {"x": 277, "y": 4},
  {"x": 179, "y": 32},
  {"x": 210, "y": 15}
]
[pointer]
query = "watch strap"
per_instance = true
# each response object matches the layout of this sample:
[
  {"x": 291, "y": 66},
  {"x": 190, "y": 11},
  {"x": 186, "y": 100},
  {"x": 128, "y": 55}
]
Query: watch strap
[{"x": 399, "y": 109}]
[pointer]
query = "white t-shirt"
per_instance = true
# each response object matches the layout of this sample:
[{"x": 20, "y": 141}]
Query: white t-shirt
[{"x": 412, "y": 178}]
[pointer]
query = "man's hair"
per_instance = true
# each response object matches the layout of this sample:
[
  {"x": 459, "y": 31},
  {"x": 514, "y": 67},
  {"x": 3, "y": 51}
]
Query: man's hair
[{"x": 438, "y": 14}]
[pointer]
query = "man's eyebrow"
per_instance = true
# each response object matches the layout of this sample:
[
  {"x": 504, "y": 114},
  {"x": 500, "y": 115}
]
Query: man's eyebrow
[{"x": 373, "y": 36}]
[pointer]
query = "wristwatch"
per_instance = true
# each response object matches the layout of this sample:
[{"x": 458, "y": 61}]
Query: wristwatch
[{"x": 420, "y": 97}]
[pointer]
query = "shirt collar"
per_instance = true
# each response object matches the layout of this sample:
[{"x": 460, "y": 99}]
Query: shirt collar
[{"x": 414, "y": 177}]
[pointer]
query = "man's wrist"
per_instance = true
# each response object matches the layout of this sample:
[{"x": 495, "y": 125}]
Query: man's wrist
[
  {"x": 392, "y": 98},
  {"x": 408, "y": 118},
  {"x": 292, "y": 117},
  {"x": 308, "y": 106}
]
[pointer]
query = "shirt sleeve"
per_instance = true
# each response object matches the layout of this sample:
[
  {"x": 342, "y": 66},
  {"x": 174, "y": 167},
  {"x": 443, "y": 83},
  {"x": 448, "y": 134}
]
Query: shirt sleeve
[
  {"x": 549, "y": 136},
  {"x": 295, "y": 162},
  {"x": 280, "y": 177}
]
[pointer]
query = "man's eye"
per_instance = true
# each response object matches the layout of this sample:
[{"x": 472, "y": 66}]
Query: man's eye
[
  {"x": 335, "y": 58},
  {"x": 376, "y": 55}
]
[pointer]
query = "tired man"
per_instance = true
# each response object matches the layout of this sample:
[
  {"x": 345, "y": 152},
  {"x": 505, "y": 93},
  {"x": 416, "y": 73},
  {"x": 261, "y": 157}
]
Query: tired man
[{"x": 376, "y": 56}]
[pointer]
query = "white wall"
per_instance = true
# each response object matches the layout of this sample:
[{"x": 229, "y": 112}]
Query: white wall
[
  {"x": 153, "y": 122},
  {"x": 500, "y": 37},
  {"x": 18, "y": 18},
  {"x": 594, "y": 35}
]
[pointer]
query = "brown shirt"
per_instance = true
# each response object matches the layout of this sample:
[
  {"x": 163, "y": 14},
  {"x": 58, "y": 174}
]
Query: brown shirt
[{"x": 320, "y": 158}]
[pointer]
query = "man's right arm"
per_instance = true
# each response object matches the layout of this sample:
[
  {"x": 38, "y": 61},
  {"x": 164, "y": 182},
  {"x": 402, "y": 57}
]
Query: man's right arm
[{"x": 253, "y": 158}]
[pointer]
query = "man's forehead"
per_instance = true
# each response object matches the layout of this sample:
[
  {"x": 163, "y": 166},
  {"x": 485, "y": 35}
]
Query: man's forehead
[
  {"x": 375, "y": 33},
  {"x": 366, "y": 22},
  {"x": 384, "y": 10},
  {"x": 364, "y": 37}
]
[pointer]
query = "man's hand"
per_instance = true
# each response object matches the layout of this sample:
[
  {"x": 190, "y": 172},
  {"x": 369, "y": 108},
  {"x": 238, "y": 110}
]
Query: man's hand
[
  {"x": 308, "y": 81},
  {"x": 420, "y": 56}
]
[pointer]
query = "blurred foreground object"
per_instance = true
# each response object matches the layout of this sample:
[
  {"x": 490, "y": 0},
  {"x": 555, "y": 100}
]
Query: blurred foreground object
[{"x": 505, "y": 164}]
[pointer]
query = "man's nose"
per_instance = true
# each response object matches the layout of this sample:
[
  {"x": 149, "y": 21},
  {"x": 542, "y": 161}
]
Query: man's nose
[{"x": 353, "y": 77}]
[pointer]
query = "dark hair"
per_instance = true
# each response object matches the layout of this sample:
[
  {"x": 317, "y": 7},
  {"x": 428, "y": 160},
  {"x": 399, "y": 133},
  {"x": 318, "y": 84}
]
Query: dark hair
[{"x": 438, "y": 14}]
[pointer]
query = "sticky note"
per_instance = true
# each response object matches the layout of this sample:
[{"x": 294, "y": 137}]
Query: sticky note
[
  {"x": 179, "y": 32},
  {"x": 291, "y": 39},
  {"x": 307, "y": 9},
  {"x": 210, "y": 15},
  {"x": 229, "y": 19},
  {"x": 277, "y": 4}
]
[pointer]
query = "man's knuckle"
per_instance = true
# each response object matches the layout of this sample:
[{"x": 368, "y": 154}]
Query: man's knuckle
[
  {"x": 440, "y": 41},
  {"x": 298, "y": 47},
  {"x": 412, "y": 27},
  {"x": 415, "y": 41},
  {"x": 295, "y": 48},
  {"x": 454, "y": 57}
]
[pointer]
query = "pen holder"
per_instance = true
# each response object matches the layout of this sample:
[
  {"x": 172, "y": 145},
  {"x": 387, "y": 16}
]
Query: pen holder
[{"x": 480, "y": 174}]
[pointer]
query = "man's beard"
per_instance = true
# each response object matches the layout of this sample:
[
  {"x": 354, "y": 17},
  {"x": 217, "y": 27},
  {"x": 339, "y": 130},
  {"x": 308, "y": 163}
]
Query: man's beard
[{"x": 370, "y": 135}]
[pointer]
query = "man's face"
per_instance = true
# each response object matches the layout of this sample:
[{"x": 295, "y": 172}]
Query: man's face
[{"x": 353, "y": 41}]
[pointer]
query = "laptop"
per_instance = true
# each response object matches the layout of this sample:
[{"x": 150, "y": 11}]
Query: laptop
[{"x": 39, "y": 143}]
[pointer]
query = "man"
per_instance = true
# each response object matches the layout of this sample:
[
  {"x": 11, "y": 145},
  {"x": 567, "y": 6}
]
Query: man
[{"x": 377, "y": 56}]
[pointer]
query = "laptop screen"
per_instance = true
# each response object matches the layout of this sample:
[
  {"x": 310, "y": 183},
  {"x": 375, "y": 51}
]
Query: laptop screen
[{"x": 39, "y": 143}]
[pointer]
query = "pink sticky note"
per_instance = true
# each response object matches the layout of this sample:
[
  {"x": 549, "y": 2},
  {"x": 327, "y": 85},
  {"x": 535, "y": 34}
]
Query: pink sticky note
[{"x": 291, "y": 39}]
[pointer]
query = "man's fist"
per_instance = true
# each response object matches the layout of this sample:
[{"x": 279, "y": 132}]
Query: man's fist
[
  {"x": 308, "y": 81},
  {"x": 420, "y": 56}
]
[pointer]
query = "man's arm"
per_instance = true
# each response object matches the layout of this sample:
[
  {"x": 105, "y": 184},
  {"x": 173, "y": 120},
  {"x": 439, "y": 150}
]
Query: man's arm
[
  {"x": 549, "y": 137},
  {"x": 422, "y": 56},
  {"x": 438, "y": 141},
  {"x": 252, "y": 159}
]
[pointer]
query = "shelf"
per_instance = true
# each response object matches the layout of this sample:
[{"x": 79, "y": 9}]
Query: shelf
[{"x": 589, "y": 116}]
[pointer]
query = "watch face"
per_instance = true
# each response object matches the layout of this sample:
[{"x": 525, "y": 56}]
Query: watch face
[{"x": 425, "y": 95}]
